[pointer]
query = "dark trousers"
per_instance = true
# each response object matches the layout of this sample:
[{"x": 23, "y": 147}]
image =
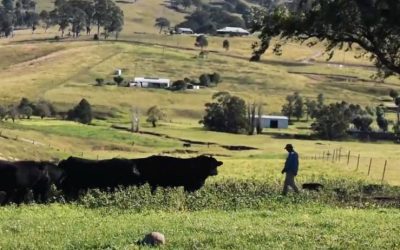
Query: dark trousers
[{"x": 289, "y": 182}]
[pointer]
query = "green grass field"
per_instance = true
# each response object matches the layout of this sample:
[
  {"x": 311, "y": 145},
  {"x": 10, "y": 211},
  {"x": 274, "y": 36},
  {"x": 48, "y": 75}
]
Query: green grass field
[{"x": 244, "y": 217}]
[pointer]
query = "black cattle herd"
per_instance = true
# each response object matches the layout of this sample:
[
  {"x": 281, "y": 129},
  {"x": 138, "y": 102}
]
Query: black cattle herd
[{"x": 74, "y": 175}]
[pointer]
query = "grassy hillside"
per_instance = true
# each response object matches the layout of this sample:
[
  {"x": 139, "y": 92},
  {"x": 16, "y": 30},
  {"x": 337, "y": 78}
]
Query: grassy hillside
[{"x": 241, "y": 207}]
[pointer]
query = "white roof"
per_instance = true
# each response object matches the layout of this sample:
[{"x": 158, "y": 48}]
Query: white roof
[
  {"x": 233, "y": 30},
  {"x": 277, "y": 117},
  {"x": 185, "y": 29},
  {"x": 151, "y": 79}
]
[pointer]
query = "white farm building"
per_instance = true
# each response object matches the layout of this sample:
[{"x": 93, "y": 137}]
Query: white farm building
[
  {"x": 233, "y": 31},
  {"x": 271, "y": 121},
  {"x": 184, "y": 31},
  {"x": 149, "y": 82}
]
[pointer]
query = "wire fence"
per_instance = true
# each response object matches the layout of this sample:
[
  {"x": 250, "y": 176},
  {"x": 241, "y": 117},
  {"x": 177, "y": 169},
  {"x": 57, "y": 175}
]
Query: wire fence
[
  {"x": 62, "y": 150},
  {"x": 384, "y": 170}
]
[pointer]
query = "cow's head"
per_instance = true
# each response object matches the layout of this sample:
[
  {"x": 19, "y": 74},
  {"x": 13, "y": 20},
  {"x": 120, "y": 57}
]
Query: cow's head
[
  {"x": 210, "y": 164},
  {"x": 56, "y": 173}
]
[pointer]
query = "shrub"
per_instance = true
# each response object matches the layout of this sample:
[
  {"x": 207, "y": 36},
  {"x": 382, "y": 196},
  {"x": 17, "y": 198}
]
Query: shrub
[
  {"x": 204, "y": 80},
  {"x": 81, "y": 113}
]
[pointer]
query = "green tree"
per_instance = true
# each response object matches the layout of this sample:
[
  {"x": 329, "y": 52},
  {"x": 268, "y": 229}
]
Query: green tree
[
  {"x": 380, "y": 119},
  {"x": 6, "y": 22},
  {"x": 215, "y": 78},
  {"x": 333, "y": 121},
  {"x": 298, "y": 111},
  {"x": 46, "y": 19},
  {"x": 226, "y": 114},
  {"x": 26, "y": 111},
  {"x": 3, "y": 113},
  {"x": 201, "y": 41},
  {"x": 288, "y": 107},
  {"x": 394, "y": 94},
  {"x": 81, "y": 113},
  {"x": 43, "y": 110},
  {"x": 8, "y": 5},
  {"x": 154, "y": 114},
  {"x": 13, "y": 112},
  {"x": 204, "y": 80},
  {"x": 99, "y": 81},
  {"x": 179, "y": 85},
  {"x": 226, "y": 44},
  {"x": 186, "y": 4},
  {"x": 162, "y": 23},
  {"x": 311, "y": 108},
  {"x": 115, "y": 21},
  {"x": 118, "y": 80},
  {"x": 363, "y": 123},
  {"x": 372, "y": 25}
]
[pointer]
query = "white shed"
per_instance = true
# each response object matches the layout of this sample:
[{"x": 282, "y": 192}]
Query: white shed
[
  {"x": 149, "y": 82},
  {"x": 233, "y": 31},
  {"x": 272, "y": 121},
  {"x": 184, "y": 31}
]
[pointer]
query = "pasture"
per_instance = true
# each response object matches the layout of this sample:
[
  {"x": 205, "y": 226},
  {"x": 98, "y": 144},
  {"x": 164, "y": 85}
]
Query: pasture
[{"x": 250, "y": 213}]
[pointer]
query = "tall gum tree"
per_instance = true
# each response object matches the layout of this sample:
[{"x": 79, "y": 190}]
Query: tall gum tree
[{"x": 373, "y": 25}]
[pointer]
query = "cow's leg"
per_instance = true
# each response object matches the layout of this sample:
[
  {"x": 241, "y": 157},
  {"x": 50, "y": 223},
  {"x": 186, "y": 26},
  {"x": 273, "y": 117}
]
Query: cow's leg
[
  {"x": 153, "y": 189},
  {"x": 7, "y": 198},
  {"x": 71, "y": 194},
  {"x": 20, "y": 195}
]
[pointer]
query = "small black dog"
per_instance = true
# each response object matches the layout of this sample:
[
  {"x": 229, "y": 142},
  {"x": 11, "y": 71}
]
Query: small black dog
[{"x": 313, "y": 186}]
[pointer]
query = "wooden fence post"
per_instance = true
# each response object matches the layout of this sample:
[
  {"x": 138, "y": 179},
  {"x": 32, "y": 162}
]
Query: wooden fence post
[
  {"x": 340, "y": 153},
  {"x": 358, "y": 162},
  {"x": 384, "y": 171},
  {"x": 323, "y": 155},
  {"x": 333, "y": 155},
  {"x": 348, "y": 158},
  {"x": 369, "y": 168}
]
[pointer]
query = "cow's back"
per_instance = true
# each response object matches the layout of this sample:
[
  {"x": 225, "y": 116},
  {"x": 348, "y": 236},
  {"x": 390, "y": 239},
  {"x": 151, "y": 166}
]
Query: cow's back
[{"x": 98, "y": 173}]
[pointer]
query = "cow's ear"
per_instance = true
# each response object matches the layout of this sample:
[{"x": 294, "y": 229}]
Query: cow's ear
[{"x": 135, "y": 170}]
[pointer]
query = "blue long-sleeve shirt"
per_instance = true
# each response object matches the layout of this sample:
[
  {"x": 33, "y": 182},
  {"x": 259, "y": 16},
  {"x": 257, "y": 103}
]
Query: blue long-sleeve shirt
[{"x": 292, "y": 163}]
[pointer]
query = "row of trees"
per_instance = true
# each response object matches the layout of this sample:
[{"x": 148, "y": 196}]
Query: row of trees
[
  {"x": 25, "y": 109},
  {"x": 77, "y": 15},
  {"x": 20, "y": 13},
  {"x": 205, "y": 80},
  {"x": 230, "y": 114}
]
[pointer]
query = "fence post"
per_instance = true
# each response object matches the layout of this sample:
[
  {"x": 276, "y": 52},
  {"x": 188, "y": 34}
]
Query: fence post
[
  {"x": 369, "y": 168},
  {"x": 348, "y": 158},
  {"x": 323, "y": 155},
  {"x": 333, "y": 155},
  {"x": 384, "y": 171},
  {"x": 340, "y": 153},
  {"x": 358, "y": 162}
]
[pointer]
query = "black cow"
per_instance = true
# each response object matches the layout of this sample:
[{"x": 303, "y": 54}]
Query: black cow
[
  {"x": 17, "y": 177},
  {"x": 166, "y": 171},
  {"x": 82, "y": 174}
]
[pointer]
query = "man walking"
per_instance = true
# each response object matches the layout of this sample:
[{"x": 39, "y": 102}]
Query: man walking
[{"x": 291, "y": 168}]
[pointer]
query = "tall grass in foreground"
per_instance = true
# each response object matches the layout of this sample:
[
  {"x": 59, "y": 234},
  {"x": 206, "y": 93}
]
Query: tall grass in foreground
[{"x": 237, "y": 195}]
